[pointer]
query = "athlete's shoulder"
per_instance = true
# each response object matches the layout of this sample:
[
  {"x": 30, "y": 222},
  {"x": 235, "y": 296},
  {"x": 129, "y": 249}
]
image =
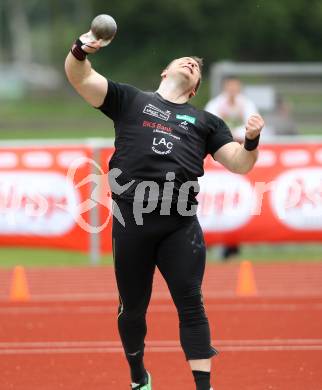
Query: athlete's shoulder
[
  {"x": 210, "y": 116},
  {"x": 119, "y": 97},
  {"x": 124, "y": 87},
  {"x": 207, "y": 118}
]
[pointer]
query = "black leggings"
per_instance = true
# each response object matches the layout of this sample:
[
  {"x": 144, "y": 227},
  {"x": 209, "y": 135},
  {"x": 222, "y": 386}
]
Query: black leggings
[{"x": 176, "y": 246}]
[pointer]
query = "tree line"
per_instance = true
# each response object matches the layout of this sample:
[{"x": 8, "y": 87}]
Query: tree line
[{"x": 151, "y": 33}]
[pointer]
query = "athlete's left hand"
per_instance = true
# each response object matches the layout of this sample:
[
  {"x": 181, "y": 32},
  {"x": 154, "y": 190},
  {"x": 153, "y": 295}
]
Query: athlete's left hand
[{"x": 254, "y": 126}]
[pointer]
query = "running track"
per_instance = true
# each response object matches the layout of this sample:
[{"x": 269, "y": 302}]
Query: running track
[{"x": 66, "y": 336}]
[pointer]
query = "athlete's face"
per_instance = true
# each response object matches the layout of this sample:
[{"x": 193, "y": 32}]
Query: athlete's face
[{"x": 185, "y": 66}]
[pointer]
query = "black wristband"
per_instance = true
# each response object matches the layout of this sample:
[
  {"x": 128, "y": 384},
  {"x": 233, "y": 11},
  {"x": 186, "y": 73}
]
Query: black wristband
[
  {"x": 251, "y": 144},
  {"x": 77, "y": 50}
]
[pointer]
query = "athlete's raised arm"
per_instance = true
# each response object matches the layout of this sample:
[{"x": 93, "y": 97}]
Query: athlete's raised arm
[
  {"x": 241, "y": 158},
  {"x": 91, "y": 85}
]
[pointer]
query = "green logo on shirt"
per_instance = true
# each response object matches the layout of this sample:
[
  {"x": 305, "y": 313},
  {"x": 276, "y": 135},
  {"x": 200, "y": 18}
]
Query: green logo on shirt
[{"x": 190, "y": 119}]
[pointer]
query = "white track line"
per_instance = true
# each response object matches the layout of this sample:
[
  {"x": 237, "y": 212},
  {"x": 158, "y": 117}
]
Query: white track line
[
  {"x": 113, "y": 296},
  {"x": 155, "y": 343},
  {"x": 160, "y": 346},
  {"x": 156, "y": 349},
  {"x": 159, "y": 308},
  {"x": 163, "y": 346}
]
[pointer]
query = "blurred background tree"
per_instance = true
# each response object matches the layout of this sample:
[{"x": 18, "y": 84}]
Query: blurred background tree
[
  {"x": 152, "y": 33},
  {"x": 35, "y": 36}
]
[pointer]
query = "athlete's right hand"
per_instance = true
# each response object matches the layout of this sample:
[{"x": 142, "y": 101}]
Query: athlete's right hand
[{"x": 90, "y": 46}]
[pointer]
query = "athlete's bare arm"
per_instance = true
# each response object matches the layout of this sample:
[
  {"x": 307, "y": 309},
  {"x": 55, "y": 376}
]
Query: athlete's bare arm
[
  {"x": 91, "y": 85},
  {"x": 234, "y": 156}
]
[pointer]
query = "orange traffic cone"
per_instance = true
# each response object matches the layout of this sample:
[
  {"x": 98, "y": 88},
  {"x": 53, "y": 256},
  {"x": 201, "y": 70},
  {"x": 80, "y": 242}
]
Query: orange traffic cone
[
  {"x": 246, "y": 285},
  {"x": 19, "y": 285}
]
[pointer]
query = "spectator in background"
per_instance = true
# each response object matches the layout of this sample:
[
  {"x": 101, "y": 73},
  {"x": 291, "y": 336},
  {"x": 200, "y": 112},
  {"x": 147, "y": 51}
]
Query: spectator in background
[
  {"x": 234, "y": 108},
  {"x": 280, "y": 121}
]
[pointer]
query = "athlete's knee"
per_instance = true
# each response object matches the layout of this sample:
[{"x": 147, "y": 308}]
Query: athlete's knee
[
  {"x": 132, "y": 329},
  {"x": 132, "y": 313},
  {"x": 190, "y": 308},
  {"x": 131, "y": 325}
]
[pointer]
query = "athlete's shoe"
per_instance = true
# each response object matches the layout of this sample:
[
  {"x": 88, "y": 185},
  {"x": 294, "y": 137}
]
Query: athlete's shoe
[{"x": 145, "y": 386}]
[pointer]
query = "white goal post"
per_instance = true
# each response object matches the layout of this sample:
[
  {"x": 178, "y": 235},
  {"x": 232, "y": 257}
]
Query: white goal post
[{"x": 300, "y": 84}]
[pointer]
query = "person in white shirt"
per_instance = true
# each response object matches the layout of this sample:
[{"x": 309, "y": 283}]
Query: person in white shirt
[{"x": 233, "y": 106}]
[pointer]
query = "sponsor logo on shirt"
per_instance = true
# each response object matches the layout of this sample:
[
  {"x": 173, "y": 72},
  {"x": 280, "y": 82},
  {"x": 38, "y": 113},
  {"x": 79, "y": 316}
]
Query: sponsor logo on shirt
[
  {"x": 161, "y": 145},
  {"x": 184, "y": 125},
  {"x": 152, "y": 110},
  {"x": 188, "y": 118},
  {"x": 155, "y": 125}
]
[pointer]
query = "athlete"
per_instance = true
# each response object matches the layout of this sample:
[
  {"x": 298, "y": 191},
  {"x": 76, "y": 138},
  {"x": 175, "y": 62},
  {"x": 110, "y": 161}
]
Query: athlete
[{"x": 160, "y": 144}]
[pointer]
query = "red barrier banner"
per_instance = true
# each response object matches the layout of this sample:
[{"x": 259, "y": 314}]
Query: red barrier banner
[
  {"x": 105, "y": 209},
  {"x": 48, "y": 195},
  {"x": 280, "y": 200},
  {"x": 42, "y": 198}
]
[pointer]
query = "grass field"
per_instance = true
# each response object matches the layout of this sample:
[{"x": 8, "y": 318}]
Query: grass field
[
  {"x": 10, "y": 257},
  {"x": 67, "y": 116},
  {"x": 52, "y": 118}
]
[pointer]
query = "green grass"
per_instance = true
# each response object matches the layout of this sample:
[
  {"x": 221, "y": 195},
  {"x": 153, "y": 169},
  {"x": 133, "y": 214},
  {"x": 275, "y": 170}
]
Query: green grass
[
  {"x": 52, "y": 118},
  {"x": 69, "y": 116},
  {"x": 45, "y": 107},
  {"x": 9, "y": 257},
  {"x": 275, "y": 253},
  {"x": 307, "y": 252},
  {"x": 53, "y": 133},
  {"x": 310, "y": 130}
]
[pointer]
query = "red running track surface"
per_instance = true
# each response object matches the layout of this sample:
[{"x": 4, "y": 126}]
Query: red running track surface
[{"x": 269, "y": 342}]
